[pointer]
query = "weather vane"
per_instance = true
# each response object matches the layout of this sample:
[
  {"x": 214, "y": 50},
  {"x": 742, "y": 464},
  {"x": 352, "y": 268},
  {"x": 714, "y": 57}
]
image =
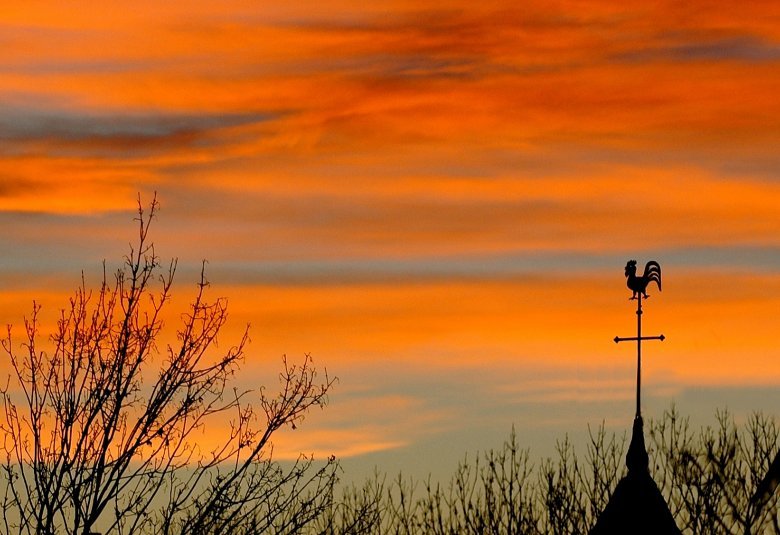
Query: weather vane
[{"x": 638, "y": 285}]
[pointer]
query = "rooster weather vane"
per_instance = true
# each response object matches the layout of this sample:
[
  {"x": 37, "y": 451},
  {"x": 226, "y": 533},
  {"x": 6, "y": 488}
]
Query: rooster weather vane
[{"x": 638, "y": 285}]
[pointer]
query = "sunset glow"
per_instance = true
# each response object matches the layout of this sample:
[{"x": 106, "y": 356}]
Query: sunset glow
[{"x": 436, "y": 200}]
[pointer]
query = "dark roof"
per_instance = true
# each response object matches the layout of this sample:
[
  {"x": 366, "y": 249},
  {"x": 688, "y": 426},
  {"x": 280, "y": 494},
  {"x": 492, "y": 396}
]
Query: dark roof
[{"x": 636, "y": 506}]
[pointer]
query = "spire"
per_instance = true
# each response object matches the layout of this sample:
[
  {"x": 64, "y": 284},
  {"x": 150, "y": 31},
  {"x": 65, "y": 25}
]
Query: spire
[
  {"x": 637, "y": 505},
  {"x": 636, "y": 458}
]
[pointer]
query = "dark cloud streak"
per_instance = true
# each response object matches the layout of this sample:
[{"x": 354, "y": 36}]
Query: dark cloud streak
[
  {"x": 27, "y": 124},
  {"x": 746, "y": 48},
  {"x": 530, "y": 265}
]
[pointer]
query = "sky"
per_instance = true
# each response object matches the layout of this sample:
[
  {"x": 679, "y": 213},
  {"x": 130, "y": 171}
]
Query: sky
[{"x": 436, "y": 200}]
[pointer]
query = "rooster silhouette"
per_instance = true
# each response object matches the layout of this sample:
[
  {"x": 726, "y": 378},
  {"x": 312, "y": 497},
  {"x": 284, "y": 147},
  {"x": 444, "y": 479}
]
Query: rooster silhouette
[{"x": 638, "y": 285}]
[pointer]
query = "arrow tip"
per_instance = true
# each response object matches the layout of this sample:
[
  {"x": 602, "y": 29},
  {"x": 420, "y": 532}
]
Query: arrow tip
[
  {"x": 662, "y": 338},
  {"x": 616, "y": 339}
]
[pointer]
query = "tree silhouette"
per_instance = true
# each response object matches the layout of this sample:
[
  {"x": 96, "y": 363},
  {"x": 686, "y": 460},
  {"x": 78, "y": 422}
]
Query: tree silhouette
[
  {"x": 707, "y": 477},
  {"x": 99, "y": 421}
]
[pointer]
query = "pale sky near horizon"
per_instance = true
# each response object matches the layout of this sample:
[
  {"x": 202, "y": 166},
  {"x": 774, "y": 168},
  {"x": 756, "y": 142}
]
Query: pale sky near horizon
[{"x": 434, "y": 199}]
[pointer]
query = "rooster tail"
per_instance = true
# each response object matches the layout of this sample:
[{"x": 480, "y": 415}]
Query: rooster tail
[{"x": 653, "y": 273}]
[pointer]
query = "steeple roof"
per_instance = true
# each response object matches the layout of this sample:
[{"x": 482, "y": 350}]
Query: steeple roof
[{"x": 636, "y": 506}]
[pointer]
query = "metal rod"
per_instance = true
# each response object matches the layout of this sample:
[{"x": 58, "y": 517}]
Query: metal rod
[
  {"x": 638, "y": 354},
  {"x": 638, "y": 339},
  {"x": 634, "y": 338}
]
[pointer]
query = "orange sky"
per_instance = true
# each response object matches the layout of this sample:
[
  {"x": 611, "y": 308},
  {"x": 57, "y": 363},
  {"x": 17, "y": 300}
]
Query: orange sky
[{"x": 434, "y": 199}]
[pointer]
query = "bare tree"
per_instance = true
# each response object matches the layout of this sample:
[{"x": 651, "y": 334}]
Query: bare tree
[
  {"x": 492, "y": 493},
  {"x": 99, "y": 421},
  {"x": 715, "y": 481},
  {"x": 711, "y": 476}
]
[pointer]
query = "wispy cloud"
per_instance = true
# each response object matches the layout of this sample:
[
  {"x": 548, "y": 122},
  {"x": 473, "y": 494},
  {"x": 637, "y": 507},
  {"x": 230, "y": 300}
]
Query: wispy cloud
[
  {"x": 131, "y": 131},
  {"x": 748, "y": 48}
]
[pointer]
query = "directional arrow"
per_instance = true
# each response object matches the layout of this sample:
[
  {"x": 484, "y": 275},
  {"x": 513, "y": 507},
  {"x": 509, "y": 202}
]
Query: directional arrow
[{"x": 635, "y": 338}]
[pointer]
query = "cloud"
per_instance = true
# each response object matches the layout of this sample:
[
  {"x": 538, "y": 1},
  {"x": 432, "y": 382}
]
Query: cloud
[
  {"x": 443, "y": 226},
  {"x": 150, "y": 129},
  {"x": 747, "y": 48},
  {"x": 477, "y": 267}
]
